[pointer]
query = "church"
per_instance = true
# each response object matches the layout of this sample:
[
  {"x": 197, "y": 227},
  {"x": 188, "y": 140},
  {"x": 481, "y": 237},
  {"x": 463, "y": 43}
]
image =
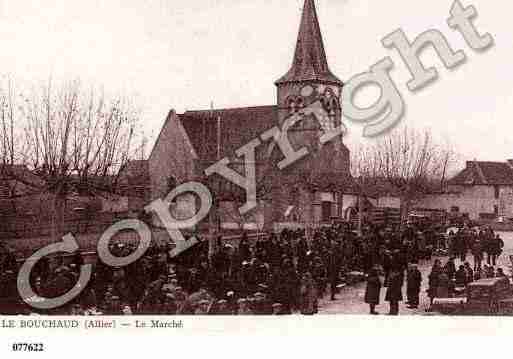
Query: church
[{"x": 306, "y": 194}]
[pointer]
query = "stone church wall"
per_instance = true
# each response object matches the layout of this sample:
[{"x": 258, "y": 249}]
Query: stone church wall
[{"x": 173, "y": 156}]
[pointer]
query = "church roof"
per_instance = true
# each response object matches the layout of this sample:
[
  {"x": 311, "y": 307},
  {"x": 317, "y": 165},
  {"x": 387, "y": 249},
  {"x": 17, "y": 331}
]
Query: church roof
[
  {"x": 310, "y": 63},
  {"x": 236, "y": 128},
  {"x": 230, "y": 129}
]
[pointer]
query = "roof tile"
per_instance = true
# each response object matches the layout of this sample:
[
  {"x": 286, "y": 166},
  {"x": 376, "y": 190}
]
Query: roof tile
[
  {"x": 484, "y": 173},
  {"x": 236, "y": 127}
]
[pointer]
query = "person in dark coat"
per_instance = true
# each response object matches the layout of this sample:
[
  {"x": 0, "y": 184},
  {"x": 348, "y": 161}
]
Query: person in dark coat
[
  {"x": 413, "y": 286},
  {"x": 283, "y": 287},
  {"x": 394, "y": 291},
  {"x": 450, "y": 268},
  {"x": 469, "y": 272},
  {"x": 434, "y": 276},
  {"x": 461, "y": 277},
  {"x": 495, "y": 246},
  {"x": 308, "y": 295},
  {"x": 460, "y": 245},
  {"x": 478, "y": 273},
  {"x": 372, "y": 292},
  {"x": 500, "y": 273},
  {"x": 477, "y": 250},
  {"x": 244, "y": 249},
  {"x": 387, "y": 264},
  {"x": 333, "y": 269},
  {"x": 302, "y": 250},
  {"x": 319, "y": 274}
]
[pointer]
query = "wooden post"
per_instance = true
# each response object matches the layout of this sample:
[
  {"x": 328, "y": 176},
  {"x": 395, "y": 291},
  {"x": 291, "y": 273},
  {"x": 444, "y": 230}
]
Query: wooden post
[
  {"x": 360, "y": 213},
  {"x": 213, "y": 228}
]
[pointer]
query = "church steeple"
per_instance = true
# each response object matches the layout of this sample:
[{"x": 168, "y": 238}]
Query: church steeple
[{"x": 310, "y": 63}]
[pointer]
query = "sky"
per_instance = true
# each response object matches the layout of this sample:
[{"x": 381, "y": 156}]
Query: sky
[{"x": 183, "y": 55}]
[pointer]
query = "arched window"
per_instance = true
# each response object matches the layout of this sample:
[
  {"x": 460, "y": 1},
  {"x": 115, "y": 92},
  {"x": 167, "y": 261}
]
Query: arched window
[
  {"x": 290, "y": 103},
  {"x": 334, "y": 105},
  {"x": 300, "y": 102},
  {"x": 294, "y": 103},
  {"x": 330, "y": 104}
]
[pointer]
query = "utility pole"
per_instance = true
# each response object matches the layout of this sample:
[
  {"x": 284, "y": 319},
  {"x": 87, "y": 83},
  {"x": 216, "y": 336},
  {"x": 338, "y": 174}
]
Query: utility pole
[
  {"x": 214, "y": 218},
  {"x": 360, "y": 212},
  {"x": 213, "y": 227}
]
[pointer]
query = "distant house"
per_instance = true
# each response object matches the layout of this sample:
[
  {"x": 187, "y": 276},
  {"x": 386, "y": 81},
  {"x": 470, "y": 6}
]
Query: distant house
[
  {"x": 378, "y": 193},
  {"x": 19, "y": 188},
  {"x": 133, "y": 187},
  {"x": 481, "y": 190},
  {"x": 26, "y": 202},
  {"x": 380, "y": 204}
]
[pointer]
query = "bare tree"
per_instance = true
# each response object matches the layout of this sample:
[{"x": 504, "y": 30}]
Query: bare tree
[
  {"x": 75, "y": 141},
  {"x": 7, "y": 133},
  {"x": 410, "y": 161},
  {"x": 365, "y": 168},
  {"x": 450, "y": 159},
  {"x": 11, "y": 145}
]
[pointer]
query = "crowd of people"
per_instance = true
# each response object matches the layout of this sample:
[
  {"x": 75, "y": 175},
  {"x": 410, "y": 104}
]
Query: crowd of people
[
  {"x": 276, "y": 274},
  {"x": 8, "y": 270},
  {"x": 445, "y": 281}
]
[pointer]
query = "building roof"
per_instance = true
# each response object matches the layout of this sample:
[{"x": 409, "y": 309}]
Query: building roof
[
  {"x": 134, "y": 179},
  {"x": 226, "y": 130},
  {"x": 237, "y": 127},
  {"x": 18, "y": 181},
  {"x": 328, "y": 181},
  {"x": 22, "y": 174},
  {"x": 484, "y": 173},
  {"x": 310, "y": 63},
  {"x": 136, "y": 171}
]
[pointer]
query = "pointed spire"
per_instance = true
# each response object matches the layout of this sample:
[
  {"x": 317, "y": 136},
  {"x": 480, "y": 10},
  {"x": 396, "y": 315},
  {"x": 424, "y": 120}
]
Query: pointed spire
[{"x": 310, "y": 63}]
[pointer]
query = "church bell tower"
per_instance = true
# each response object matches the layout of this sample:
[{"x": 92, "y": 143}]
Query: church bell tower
[{"x": 309, "y": 79}]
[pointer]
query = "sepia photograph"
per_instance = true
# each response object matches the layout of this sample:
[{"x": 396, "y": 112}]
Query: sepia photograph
[{"x": 302, "y": 159}]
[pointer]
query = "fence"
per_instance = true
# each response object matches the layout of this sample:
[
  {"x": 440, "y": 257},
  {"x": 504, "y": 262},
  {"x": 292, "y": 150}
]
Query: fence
[{"x": 31, "y": 226}]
